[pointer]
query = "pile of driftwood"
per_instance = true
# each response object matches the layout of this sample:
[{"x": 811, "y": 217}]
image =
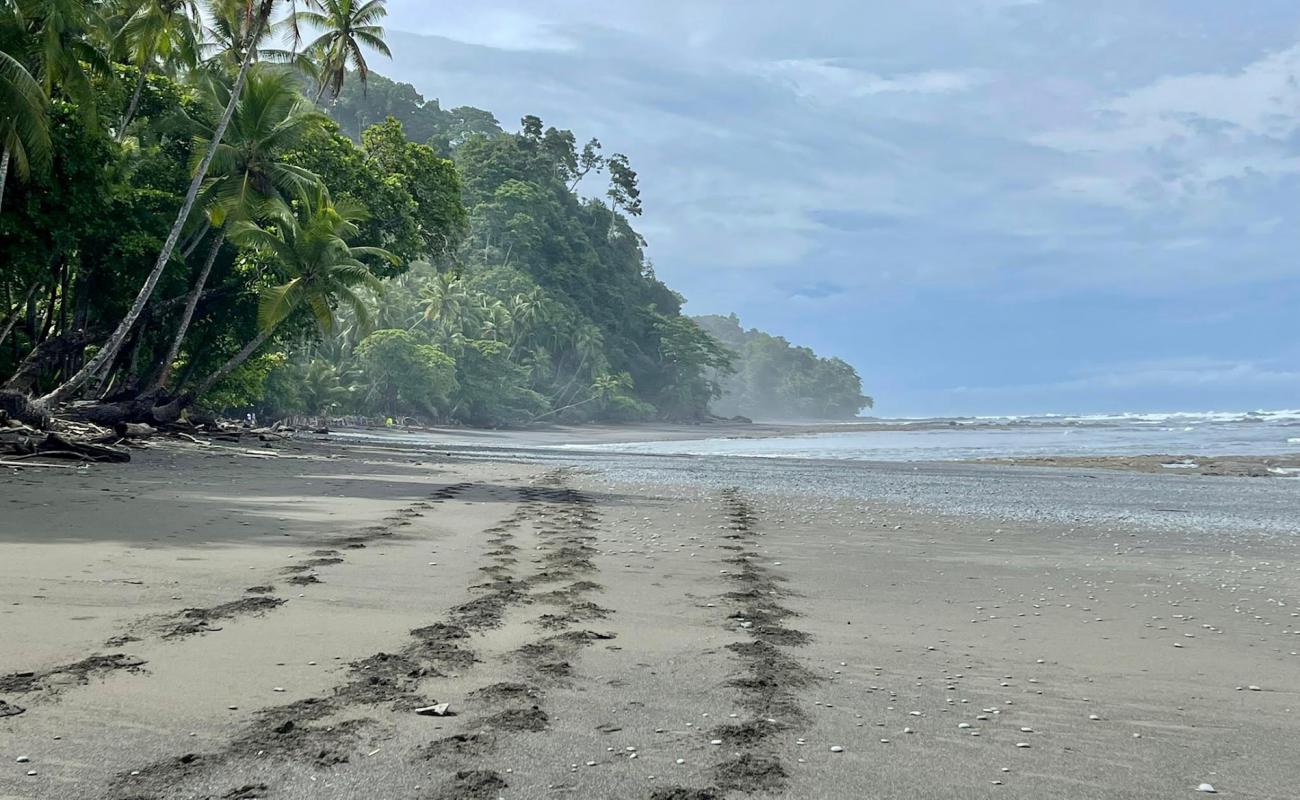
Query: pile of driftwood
[
  {"x": 73, "y": 441},
  {"x": 81, "y": 433}
]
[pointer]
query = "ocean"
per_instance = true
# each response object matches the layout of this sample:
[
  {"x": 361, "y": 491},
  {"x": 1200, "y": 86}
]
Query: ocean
[{"x": 1183, "y": 433}]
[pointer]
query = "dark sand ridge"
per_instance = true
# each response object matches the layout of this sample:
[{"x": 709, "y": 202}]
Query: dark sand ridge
[{"x": 879, "y": 613}]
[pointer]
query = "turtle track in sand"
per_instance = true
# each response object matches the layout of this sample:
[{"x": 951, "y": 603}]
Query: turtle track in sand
[
  {"x": 312, "y": 730},
  {"x": 768, "y": 676},
  {"x": 564, "y": 521}
]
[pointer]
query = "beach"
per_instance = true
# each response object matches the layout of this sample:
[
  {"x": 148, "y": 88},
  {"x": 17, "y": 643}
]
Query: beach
[{"x": 218, "y": 622}]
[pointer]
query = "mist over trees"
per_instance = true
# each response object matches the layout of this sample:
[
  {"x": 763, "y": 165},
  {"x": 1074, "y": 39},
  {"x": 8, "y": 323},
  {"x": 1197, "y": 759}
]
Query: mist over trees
[
  {"x": 775, "y": 380},
  {"x": 195, "y": 217}
]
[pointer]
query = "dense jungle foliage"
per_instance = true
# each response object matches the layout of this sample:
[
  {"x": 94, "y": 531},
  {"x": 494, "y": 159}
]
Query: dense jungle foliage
[
  {"x": 772, "y": 379},
  {"x": 229, "y": 210}
]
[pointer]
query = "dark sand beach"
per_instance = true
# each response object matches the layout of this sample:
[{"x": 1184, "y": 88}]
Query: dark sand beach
[{"x": 206, "y": 623}]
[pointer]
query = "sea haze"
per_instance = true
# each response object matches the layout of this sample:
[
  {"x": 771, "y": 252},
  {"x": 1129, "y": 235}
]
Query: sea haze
[{"x": 1210, "y": 433}]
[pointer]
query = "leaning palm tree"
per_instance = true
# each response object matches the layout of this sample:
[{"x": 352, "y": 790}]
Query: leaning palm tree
[
  {"x": 347, "y": 26},
  {"x": 158, "y": 32},
  {"x": 312, "y": 247},
  {"x": 248, "y": 178},
  {"x": 255, "y": 14}
]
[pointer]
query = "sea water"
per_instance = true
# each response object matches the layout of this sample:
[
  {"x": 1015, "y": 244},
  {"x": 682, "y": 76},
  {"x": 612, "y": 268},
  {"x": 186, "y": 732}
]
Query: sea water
[{"x": 1208, "y": 433}]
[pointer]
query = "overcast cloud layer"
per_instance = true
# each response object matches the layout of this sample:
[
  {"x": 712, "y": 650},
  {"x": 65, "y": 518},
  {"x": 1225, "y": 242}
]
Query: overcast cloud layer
[{"x": 987, "y": 206}]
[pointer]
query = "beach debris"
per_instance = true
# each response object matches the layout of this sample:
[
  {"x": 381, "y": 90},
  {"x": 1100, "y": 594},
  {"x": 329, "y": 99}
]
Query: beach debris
[
  {"x": 23, "y": 759},
  {"x": 835, "y": 748},
  {"x": 1207, "y": 788},
  {"x": 10, "y": 710},
  {"x": 436, "y": 710},
  {"x": 1022, "y": 744}
]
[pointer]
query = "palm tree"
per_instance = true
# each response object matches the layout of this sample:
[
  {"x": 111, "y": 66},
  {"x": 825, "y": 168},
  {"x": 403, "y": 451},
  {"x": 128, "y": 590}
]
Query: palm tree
[
  {"x": 159, "y": 31},
  {"x": 347, "y": 26},
  {"x": 312, "y": 247},
  {"x": 444, "y": 300},
  {"x": 24, "y": 127},
  {"x": 589, "y": 346},
  {"x": 62, "y": 50},
  {"x": 248, "y": 178},
  {"x": 255, "y": 15}
]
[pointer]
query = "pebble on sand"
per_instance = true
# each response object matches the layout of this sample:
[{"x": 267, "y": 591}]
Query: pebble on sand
[
  {"x": 835, "y": 748},
  {"x": 23, "y": 759},
  {"x": 1207, "y": 788}
]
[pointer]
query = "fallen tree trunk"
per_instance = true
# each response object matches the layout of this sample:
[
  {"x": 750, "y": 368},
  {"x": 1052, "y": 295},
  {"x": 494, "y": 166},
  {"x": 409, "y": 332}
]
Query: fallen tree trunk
[
  {"x": 17, "y": 406},
  {"x": 29, "y": 442},
  {"x": 47, "y": 355}
]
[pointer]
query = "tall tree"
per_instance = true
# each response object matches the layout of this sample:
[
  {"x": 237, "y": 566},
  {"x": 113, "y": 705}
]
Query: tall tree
[
  {"x": 158, "y": 33},
  {"x": 256, "y": 15},
  {"x": 312, "y": 247},
  {"x": 24, "y": 127},
  {"x": 347, "y": 27},
  {"x": 249, "y": 179}
]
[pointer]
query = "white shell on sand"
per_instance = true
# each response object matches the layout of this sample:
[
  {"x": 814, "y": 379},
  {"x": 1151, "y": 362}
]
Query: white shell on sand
[
  {"x": 835, "y": 748},
  {"x": 1207, "y": 788},
  {"x": 1022, "y": 744}
]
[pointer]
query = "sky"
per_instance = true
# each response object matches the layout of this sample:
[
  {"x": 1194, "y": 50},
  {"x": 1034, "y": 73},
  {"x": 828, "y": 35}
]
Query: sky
[{"x": 985, "y": 206}]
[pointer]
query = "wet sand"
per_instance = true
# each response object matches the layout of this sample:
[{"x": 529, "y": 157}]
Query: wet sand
[{"x": 199, "y": 624}]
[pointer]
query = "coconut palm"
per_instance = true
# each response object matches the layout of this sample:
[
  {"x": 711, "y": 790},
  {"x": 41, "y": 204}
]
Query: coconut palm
[
  {"x": 445, "y": 302},
  {"x": 248, "y": 179},
  {"x": 158, "y": 33},
  {"x": 62, "y": 51},
  {"x": 347, "y": 27},
  {"x": 312, "y": 247},
  {"x": 256, "y": 13},
  {"x": 589, "y": 346},
  {"x": 24, "y": 126}
]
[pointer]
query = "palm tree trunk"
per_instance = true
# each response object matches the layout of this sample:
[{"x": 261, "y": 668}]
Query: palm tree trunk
[
  {"x": 4, "y": 171},
  {"x": 187, "y": 315},
  {"x": 576, "y": 373},
  {"x": 73, "y": 384},
  {"x": 133, "y": 105},
  {"x": 13, "y": 317},
  {"x": 235, "y": 360},
  {"x": 195, "y": 239}
]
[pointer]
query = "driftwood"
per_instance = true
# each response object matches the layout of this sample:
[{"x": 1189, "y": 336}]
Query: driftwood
[
  {"x": 20, "y": 443},
  {"x": 17, "y": 406},
  {"x": 49, "y": 353}
]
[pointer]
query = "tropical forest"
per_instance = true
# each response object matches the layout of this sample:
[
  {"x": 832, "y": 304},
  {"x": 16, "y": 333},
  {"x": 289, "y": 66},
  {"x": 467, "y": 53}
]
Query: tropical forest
[{"x": 222, "y": 209}]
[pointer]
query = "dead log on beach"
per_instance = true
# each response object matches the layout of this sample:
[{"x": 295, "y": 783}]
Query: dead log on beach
[
  {"x": 25, "y": 442},
  {"x": 17, "y": 406}
]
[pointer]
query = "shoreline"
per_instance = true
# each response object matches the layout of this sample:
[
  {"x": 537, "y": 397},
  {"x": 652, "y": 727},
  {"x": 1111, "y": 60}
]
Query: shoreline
[
  {"x": 572, "y": 439},
  {"x": 214, "y": 622}
]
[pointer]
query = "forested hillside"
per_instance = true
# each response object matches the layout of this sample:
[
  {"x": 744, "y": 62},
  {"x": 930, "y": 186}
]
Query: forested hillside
[
  {"x": 183, "y": 225},
  {"x": 775, "y": 380}
]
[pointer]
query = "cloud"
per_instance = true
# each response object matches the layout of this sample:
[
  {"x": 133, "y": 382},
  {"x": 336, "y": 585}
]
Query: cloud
[
  {"x": 922, "y": 159},
  {"x": 825, "y": 80}
]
